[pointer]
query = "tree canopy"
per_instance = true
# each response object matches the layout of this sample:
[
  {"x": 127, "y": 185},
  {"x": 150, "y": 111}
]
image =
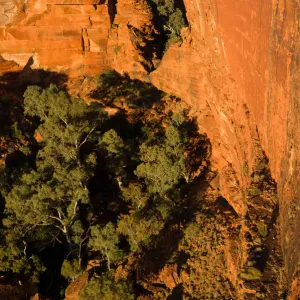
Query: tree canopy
[{"x": 95, "y": 188}]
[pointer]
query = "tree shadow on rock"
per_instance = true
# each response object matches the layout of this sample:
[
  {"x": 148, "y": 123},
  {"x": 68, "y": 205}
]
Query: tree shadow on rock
[
  {"x": 164, "y": 248},
  {"x": 17, "y": 82},
  {"x": 12, "y": 88},
  {"x": 113, "y": 89}
]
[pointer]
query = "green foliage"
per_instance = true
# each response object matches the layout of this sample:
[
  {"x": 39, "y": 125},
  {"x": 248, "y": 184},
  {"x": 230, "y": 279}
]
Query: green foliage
[
  {"x": 107, "y": 288},
  {"x": 172, "y": 16},
  {"x": 51, "y": 196},
  {"x": 113, "y": 143},
  {"x": 68, "y": 124},
  {"x": 108, "y": 79},
  {"x": 171, "y": 19},
  {"x": 203, "y": 242},
  {"x": 116, "y": 151},
  {"x": 61, "y": 196},
  {"x": 15, "y": 131},
  {"x": 13, "y": 259},
  {"x": 162, "y": 165},
  {"x": 135, "y": 195},
  {"x": 251, "y": 273},
  {"x": 106, "y": 241},
  {"x": 139, "y": 230},
  {"x": 71, "y": 269}
]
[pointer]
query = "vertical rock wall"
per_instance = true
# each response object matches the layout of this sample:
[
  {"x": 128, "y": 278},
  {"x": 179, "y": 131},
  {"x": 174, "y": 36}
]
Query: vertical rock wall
[{"x": 237, "y": 67}]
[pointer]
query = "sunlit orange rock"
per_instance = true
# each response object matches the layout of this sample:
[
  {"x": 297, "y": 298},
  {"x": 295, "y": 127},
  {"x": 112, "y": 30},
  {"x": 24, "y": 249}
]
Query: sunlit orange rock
[
  {"x": 237, "y": 67},
  {"x": 61, "y": 35}
]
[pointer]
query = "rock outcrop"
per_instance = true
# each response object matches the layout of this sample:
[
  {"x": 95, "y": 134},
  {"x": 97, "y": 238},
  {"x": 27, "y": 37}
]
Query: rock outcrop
[
  {"x": 237, "y": 67},
  {"x": 62, "y": 35}
]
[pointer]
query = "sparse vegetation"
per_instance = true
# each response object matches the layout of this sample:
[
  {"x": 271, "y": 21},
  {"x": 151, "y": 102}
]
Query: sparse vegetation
[
  {"x": 262, "y": 229},
  {"x": 204, "y": 243},
  {"x": 251, "y": 273},
  {"x": 171, "y": 18},
  {"x": 107, "y": 288}
]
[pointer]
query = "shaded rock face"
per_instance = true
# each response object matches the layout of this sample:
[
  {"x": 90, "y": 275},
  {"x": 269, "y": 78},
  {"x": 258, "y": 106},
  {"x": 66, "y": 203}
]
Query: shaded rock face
[
  {"x": 74, "y": 288},
  {"x": 237, "y": 67}
]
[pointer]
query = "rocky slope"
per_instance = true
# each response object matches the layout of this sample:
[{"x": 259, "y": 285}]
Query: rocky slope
[{"x": 236, "y": 68}]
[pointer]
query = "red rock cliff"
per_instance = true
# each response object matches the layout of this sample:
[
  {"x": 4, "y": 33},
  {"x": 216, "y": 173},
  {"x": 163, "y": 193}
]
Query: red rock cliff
[
  {"x": 239, "y": 61},
  {"x": 236, "y": 67}
]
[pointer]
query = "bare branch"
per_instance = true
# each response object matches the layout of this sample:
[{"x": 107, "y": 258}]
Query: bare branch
[{"x": 87, "y": 136}]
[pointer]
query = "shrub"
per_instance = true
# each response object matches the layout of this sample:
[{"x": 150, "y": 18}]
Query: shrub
[
  {"x": 105, "y": 240},
  {"x": 204, "y": 244},
  {"x": 254, "y": 191},
  {"x": 71, "y": 269},
  {"x": 15, "y": 131},
  {"x": 108, "y": 79},
  {"x": 251, "y": 273},
  {"x": 171, "y": 19},
  {"x": 107, "y": 288},
  {"x": 262, "y": 229}
]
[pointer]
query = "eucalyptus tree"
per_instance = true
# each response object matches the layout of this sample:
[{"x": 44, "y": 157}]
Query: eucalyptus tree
[{"x": 55, "y": 192}]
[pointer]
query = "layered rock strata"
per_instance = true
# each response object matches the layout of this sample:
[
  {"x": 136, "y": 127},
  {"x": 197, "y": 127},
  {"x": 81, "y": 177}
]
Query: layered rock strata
[{"x": 237, "y": 67}]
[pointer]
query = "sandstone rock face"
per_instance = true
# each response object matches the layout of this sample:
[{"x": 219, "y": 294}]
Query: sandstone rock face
[
  {"x": 74, "y": 288},
  {"x": 78, "y": 37},
  {"x": 234, "y": 68},
  {"x": 9, "y": 10},
  {"x": 237, "y": 67},
  {"x": 59, "y": 35}
]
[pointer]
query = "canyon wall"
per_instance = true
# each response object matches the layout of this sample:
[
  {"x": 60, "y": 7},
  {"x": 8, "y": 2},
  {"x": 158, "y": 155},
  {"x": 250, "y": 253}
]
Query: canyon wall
[
  {"x": 66, "y": 36},
  {"x": 237, "y": 68}
]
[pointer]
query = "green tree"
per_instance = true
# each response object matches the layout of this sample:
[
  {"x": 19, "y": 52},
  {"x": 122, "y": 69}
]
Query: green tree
[
  {"x": 53, "y": 194},
  {"x": 139, "y": 230},
  {"x": 108, "y": 79},
  {"x": 14, "y": 258},
  {"x": 135, "y": 195},
  {"x": 106, "y": 241},
  {"x": 116, "y": 154},
  {"x": 107, "y": 288},
  {"x": 171, "y": 15},
  {"x": 163, "y": 165},
  {"x": 71, "y": 269}
]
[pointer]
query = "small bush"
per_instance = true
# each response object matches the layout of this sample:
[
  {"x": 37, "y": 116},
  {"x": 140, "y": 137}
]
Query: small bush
[
  {"x": 254, "y": 191},
  {"x": 107, "y": 288},
  {"x": 108, "y": 79},
  {"x": 251, "y": 273},
  {"x": 15, "y": 131},
  {"x": 171, "y": 16},
  {"x": 262, "y": 229},
  {"x": 71, "y": 269}
]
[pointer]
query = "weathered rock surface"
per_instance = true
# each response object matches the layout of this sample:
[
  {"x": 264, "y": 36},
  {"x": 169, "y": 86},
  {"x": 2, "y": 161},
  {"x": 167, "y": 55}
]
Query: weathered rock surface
[
  {"x": 237, "y": 67},
  {"x": 60, "y": 35},
  {"x": 11, "y": 292},
  {"x": 74, "y": 288},
  {"x": 79, "y": 37}
]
